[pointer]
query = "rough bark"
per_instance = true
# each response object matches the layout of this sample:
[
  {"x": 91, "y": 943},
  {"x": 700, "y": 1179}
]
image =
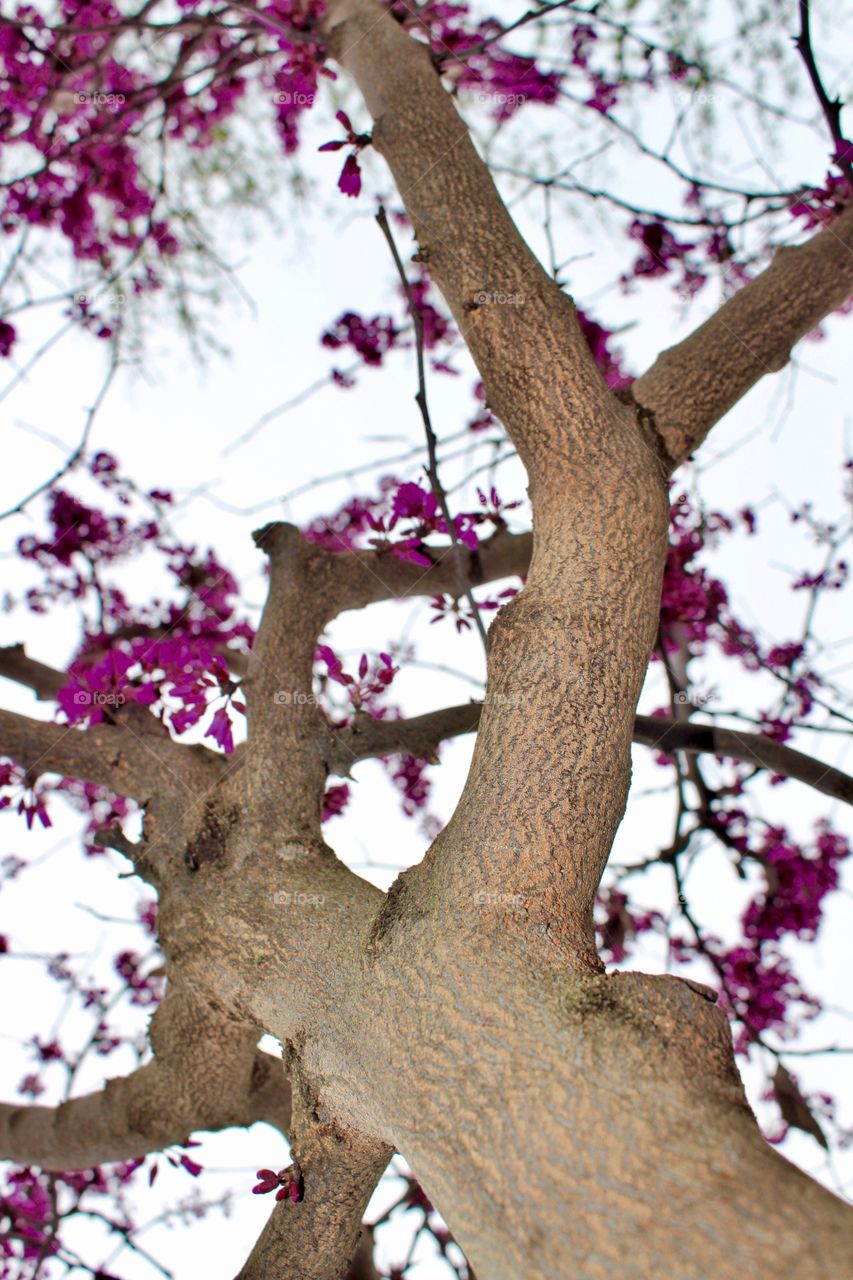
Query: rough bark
[
  {"x": 207, "y": 1073},
  {"x": 691, "y": 385},
  {"x": 316, "y": 1237}
]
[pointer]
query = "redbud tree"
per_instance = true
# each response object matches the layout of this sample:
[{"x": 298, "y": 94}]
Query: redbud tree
[{"x": 478, "y": 1038}]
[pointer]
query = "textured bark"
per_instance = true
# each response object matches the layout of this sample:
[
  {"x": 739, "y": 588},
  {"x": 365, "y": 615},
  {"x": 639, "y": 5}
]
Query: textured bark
[
  {"x": 365, "y": 577},
  {"x": 691, "y": 385},
  {"x": 317, "y": 1237},
  {"x": 206, "y": 1074},
  {"x": 142, "y": 1113}
]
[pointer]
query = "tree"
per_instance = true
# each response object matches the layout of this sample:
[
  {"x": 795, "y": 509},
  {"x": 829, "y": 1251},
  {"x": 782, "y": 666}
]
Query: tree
[{"x": 562, "y": 1119}]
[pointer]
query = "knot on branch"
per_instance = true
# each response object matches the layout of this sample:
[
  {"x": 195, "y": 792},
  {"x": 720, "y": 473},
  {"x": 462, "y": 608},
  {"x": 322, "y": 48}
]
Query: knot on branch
[
  {"x": 277, "y": 538},
  {"x": 209, "y": 843},
  {"x": 670, "y": 1016}
]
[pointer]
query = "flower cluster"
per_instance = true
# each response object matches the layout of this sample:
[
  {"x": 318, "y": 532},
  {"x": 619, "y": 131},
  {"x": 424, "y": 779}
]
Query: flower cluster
[
  {"x": 798, "y": 880},
  {"x": 371, "y": 683},
  {"x": 473, "y": 58},
  {"x": 819, "y": 206},
  {"x": 760, "y": 990},
  {"x": 365, "y": 521},
  {"x": 286, "y": 1183},
  {"x": 172, "y": 656},
  {"x": 145, "y": 989},
  {"x": 660, "y": 252},
  {"x": 371, "y": 339}
]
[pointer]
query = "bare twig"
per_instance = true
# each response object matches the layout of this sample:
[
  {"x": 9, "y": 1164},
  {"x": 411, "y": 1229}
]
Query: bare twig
[{"x": 831, "y": 107}]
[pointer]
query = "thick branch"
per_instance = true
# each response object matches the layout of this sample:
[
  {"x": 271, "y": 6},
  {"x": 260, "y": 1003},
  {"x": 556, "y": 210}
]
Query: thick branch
[
  {"x": 567, "y": 656},
  {"x": 510, "y": 312},
  {"x": 751, "y": 748},
  {"x": 365, "y": 577},
  {"x": 420, "y": 735},
  {"x": 207, "y": 1073},
  {"x": 691, "y": 385},
  {"x": 155, "y": 1107},
  {"x": 321, "y": 1237},
  {"x": 318, "y": 1236},
  {"x": 283, "y": 780},
  {"x": 45, "y": 681},
  {"x": 101, "y": 754},
  {"x": 137, "y": 762}
]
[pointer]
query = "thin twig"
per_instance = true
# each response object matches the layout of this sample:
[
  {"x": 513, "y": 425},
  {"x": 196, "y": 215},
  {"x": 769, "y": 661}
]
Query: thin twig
[
  {"x": 421, "y": 400},
  {"x": 831, "y": 107},
  {"x": 74, "y": 457}
]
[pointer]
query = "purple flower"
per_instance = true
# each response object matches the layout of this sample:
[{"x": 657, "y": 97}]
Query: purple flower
[
  {"x": 287, "y": 1183},
  {"x": 8, "y": 334},
  {"x": 349, "y": 180},
  {"x": 350, "y": 176},
  {"x": 411, "y": 502},
  {"x": 334, "y": 665},
  {"x": 335, "y": 800},
  {"x": 220, "y": 730}
]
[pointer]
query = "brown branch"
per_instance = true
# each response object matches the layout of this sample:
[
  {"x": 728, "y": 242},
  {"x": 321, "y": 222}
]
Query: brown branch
[
  {"x": 207, "y": 1073},
  {"x": 599, "y": 508},
  {"x": 283, "y": 783},
  {"x": 309, "y": 586},
  {"x": 135, "y": 1116},
  {"x": 751, "y": 748},
  {"x": 366, "y": 577},
  {"x": 321, "y": 1238},
  {"x": 45, "y": 681},
  {"x": 420, "y": 735},
  {"x": 135, "y": 762},
  {"x": 693, "y": 384},
  {"x": 320, "y": 1235}
]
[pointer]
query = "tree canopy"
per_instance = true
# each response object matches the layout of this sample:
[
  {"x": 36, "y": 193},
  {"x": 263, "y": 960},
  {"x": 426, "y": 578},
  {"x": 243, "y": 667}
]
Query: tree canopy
[{"x": 601, "y": 227}]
